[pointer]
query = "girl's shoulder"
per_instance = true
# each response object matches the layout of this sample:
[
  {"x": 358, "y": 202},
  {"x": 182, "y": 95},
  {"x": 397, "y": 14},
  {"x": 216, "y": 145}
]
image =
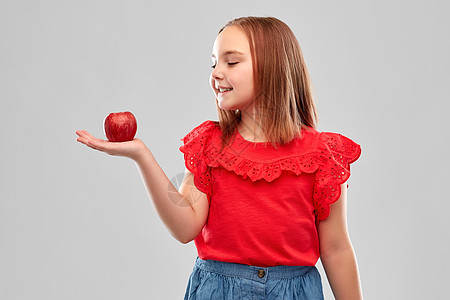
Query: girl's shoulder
[
  {"x": 201, "y": 131},
  {"x": 336, "y": 145}
]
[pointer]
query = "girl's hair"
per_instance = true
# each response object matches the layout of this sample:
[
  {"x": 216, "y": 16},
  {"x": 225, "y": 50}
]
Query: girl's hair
[{"x": 283, "y": 89}]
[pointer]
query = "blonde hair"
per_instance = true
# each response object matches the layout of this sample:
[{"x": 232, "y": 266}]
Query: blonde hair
[{"x": 284, "y": 98}]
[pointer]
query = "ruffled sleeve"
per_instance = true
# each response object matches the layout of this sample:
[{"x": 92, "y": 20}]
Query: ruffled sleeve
[
  {"x": 195, "y": 143},
  {"x": 335, "y": 153}
]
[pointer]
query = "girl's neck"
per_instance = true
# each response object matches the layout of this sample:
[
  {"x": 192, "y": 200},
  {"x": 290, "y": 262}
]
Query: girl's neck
[{"x": 250, "y": 129}]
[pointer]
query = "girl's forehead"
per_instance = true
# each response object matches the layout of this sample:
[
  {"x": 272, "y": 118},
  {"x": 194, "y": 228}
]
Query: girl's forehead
[{"x": 231, "y": 40}]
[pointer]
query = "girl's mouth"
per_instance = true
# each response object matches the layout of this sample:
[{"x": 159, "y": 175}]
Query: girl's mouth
[
  {"x": 221, "y": 89},
  {"x": 224, "y": 90}
]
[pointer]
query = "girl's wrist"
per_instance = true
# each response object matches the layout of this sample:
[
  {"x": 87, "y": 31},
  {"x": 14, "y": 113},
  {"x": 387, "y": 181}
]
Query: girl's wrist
[{"x": 142, "y": 154}]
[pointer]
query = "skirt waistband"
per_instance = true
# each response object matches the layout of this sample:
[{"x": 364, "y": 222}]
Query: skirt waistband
[{"x": 252, "y": 272}]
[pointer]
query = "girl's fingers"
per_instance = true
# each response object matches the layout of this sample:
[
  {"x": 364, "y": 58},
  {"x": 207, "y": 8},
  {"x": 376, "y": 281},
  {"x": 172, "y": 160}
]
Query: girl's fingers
[
  {"x": 80, "y": 132},
  {"x": 84, "y": 133},
  {"x": 95, "y": 143},
  {"x": 89, "y": 140},
  {"x": 89, "y": 135},
  {"x": 85, "y": 141}
]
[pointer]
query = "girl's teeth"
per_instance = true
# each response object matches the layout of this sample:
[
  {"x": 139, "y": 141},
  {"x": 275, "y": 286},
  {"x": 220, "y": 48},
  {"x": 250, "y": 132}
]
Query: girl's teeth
[{"x": 224, "y": 90}]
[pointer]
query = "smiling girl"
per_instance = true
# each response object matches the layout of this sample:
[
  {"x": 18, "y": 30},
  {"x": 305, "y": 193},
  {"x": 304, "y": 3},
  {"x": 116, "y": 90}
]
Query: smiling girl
[{"x": 264, "y": 193}]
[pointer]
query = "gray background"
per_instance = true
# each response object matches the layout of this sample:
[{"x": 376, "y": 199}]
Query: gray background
[{"x": 77, "y": 224}]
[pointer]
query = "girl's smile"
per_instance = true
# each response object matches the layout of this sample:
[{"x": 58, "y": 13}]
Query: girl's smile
[{"x": 223, "y": 90}]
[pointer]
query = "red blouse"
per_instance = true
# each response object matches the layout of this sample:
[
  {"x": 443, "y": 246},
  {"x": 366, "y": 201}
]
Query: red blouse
[{"x": 265, "y": 203}]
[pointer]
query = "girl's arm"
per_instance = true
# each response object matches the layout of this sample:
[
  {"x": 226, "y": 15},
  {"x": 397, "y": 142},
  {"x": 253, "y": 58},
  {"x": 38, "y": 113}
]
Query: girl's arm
[
  {"x": 185, "y": 213},
  {"x": 336, "y": 252}
]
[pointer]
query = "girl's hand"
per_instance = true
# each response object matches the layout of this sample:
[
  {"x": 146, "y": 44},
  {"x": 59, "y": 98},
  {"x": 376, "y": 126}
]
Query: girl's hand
[{"x": 132, "y": 149}]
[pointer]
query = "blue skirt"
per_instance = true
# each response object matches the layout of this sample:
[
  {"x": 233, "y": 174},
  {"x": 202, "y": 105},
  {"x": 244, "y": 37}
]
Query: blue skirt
[{"x": 211, "y": 279}]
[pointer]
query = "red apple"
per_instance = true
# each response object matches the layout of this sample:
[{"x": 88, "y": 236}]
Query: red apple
[{"x": 120, "y": 127}]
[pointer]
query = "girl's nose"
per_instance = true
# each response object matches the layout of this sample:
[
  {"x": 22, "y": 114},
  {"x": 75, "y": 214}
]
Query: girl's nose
[{"x": 217, "y": 73}]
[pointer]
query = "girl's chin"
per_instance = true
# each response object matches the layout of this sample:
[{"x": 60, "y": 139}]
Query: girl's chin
[{"x": 226, "y": 106}]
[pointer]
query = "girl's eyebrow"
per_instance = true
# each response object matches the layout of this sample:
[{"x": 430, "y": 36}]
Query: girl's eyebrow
[{"x": 229, "y": 52}]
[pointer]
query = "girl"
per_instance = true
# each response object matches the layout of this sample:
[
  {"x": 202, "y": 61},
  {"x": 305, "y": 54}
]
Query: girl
[{"x": 264, "y": 193}]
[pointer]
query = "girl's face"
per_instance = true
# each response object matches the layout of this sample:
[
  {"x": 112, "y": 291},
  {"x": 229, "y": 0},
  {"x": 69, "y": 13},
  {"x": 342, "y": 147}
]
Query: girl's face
[{"x": 232, "y": 75}]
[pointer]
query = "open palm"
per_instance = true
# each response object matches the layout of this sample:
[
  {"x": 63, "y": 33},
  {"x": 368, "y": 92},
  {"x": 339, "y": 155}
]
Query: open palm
[{"x": 132, "y": 149}]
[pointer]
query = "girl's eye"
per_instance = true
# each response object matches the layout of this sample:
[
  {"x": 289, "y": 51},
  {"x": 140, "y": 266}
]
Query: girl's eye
[{"x": 230, "y": 64}]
